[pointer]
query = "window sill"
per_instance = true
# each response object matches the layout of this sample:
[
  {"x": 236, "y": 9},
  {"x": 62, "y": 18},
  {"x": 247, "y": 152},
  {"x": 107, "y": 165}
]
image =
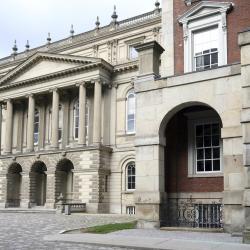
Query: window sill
[
  {"x": 128, "y": 192},
  {"x": 206, "y": 175}
]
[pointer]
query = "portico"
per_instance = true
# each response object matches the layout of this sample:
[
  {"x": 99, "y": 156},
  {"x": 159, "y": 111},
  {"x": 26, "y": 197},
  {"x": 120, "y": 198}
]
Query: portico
[
  {"x": 45, "y": 137},
  {"x": 75, "y": 81}
]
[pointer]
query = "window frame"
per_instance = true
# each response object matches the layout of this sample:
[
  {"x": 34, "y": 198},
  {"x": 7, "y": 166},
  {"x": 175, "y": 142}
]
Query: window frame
[
  {"x": 130, "y": 164},
  {"x": 203, "y": 16},
  {"x": 194, "y": 119},
  {"x": 74, "y": 119},
  {"x": 60, "y": 119},
  {"x": 87, "y": 116},
  {"x": 131, "y": 47},
  {"x": 37, "y": 112},
  {"x": 130, "y": 92}
]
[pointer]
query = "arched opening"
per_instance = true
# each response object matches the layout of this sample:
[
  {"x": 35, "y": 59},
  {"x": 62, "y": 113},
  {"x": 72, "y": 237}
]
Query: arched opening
[
  {"x": 64, "y": 180},
  {"x": 14, "y": 180},
  {"x": 38, "y": 183},
  {"x": 193, "y": 168}
]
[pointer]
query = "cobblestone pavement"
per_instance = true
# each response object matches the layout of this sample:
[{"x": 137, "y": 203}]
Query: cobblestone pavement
[{"x": 26, "y": 231}]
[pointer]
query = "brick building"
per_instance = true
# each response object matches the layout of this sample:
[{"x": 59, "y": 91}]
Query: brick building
[{"x": 148, "y": 115}]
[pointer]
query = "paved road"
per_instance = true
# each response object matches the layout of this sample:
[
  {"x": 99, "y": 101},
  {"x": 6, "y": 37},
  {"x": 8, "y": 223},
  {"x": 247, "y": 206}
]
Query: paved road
[{"x": 26, "y": 231}]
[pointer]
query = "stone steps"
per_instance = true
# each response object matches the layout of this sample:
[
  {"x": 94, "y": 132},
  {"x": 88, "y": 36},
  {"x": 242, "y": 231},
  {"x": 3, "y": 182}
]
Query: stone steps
[{"x": 28, "y": 210}]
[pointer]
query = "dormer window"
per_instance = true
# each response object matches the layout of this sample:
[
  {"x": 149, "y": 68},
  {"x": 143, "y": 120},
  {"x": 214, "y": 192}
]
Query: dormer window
[{"x": 205, "y": 35}]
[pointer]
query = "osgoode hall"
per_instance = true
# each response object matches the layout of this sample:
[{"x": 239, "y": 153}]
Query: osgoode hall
[{"x": 147, "y": 116}]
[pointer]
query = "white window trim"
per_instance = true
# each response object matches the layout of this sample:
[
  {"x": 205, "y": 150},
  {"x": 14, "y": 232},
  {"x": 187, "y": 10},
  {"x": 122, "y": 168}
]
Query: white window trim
[
  {"x": 131, "y": 91},
  {"x": 61, "y": 109},
  {"x": 74, "y": 119},
  {"x": 194, "y": 119},
  {"x": 193, "y": 21},
  {"x": 126, "y": 176},
  {"x": 38, "y": 112}
]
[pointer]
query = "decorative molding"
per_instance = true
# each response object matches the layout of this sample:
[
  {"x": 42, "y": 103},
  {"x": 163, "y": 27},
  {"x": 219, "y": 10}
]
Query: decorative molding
[
  {"x": 213, "y": 7},
  {"x": 132, "y": 65},
  {"x": 84, "y": 64}
]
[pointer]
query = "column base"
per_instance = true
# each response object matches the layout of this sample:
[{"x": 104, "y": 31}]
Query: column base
[
  {"x": 81, "y": 145},
  {"x": 25, "y": 204},
  {"x": 246, "y": 236}
]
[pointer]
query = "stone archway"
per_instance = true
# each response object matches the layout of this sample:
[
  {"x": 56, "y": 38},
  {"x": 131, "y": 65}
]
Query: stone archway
[
  {"x": 38, "y": 182},
  {"x": 14, "y": 181},
  {"x": 64, "y": 180},
  {"x": 193, "y": 167}
]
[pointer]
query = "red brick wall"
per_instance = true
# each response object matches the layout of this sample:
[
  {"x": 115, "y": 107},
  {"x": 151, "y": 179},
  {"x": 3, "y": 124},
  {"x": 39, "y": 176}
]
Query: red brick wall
[
  {"x": 237, "y": 20},
  {"x": 176, "y": 164}
]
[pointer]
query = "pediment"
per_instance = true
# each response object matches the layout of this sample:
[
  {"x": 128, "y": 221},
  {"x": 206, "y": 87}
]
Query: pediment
[
  {"x": 44, "y": 64},
  {"x": 205, "y": 8}
]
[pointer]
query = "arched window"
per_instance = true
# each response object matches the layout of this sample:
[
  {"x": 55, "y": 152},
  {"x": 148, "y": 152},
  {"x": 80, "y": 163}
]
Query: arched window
[
  {"x": 76, "y": 119},
  {"x": 130, "y": 172},
  {"x": 60, "y": 123},
  {"x": 36, "y": 126},
  {"x": 130, "y": 112}
]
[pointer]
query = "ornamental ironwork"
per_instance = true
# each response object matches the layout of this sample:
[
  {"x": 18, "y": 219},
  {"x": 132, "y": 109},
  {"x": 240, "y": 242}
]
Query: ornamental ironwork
[{"x": 203, "y": 213}]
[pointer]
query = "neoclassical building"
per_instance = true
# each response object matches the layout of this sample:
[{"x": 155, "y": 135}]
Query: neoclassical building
[{"x": 145, "y": 116}]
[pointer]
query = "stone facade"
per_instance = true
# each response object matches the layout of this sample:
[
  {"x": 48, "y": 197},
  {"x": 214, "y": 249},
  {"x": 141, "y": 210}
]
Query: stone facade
[{"x": 71, "y": 98}]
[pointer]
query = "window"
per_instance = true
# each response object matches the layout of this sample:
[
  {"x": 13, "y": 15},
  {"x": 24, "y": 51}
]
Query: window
[
  {"x": 207, "y": 148},
  {"x": 205, "y": 35},
  {"x": 60, "y": 123},
  {"x": 205, "y": 49},
  {"x": 76, "y": 119},
  {"x": 204, "y": 144},
  {"x": 130, "y": 210},
  {"x": 131, "y": 176},
  {"x": 106, "y": 184},
  {"x": 50, "y": 125},
  {"x": 130, "y": 122},
  {"x": 87, "y": 119},
  {"x": 133, "y": 54},
  {"x": 36, "y": 126}
]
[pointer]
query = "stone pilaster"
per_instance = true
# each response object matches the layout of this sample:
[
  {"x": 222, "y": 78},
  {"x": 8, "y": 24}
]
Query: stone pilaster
[
  {"x": 9, "y": 127},
  {"x": 97, "y": 113},
  {"x": 25, "y": 191},
  {"x": 55, "y": 119},
  {"x": 50, "y": 190},
  {"x": 0, "y": 128},
  {"x": 82, "y": 110},
  {"x": 30, "y": 124},
  {"x": 244, "y": 42}
]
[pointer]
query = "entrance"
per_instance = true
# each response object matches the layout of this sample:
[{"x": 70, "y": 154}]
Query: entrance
[
  {"x": 38, "y": 181},
  {"x": 64, "y": 180},
  {"x": 193, "y": 169},
  {"x": 14, "y": 180}
]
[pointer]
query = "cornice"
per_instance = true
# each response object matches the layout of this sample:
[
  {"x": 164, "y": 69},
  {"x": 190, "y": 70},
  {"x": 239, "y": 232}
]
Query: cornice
[
  {"x": 87, "y": 37},
  {"x": 126, "y": 66},
  {"x": 101, "y": 64},
  {"x": 217, "y": 7}
]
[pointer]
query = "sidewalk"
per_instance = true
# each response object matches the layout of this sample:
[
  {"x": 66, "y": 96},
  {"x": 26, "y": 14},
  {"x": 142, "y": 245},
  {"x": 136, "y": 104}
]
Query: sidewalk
[{"x": 145, "y": 241}]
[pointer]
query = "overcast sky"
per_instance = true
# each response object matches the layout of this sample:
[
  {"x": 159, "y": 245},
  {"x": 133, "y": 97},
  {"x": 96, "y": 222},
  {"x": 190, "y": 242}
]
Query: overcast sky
[{"x": 32, "y": 19}]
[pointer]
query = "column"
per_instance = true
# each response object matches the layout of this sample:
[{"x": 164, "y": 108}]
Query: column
[
  {"x": 97, "y": 112},
  {"x": 30, "y": 124},
  {"x": 82, "y": 109},
  {"x": 9, "y": 127},
  {"x": 55, "y": 119}
]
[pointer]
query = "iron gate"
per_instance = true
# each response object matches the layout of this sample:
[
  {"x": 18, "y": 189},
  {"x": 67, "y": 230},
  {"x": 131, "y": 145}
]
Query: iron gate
[{"x": 205, "y": 213}]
